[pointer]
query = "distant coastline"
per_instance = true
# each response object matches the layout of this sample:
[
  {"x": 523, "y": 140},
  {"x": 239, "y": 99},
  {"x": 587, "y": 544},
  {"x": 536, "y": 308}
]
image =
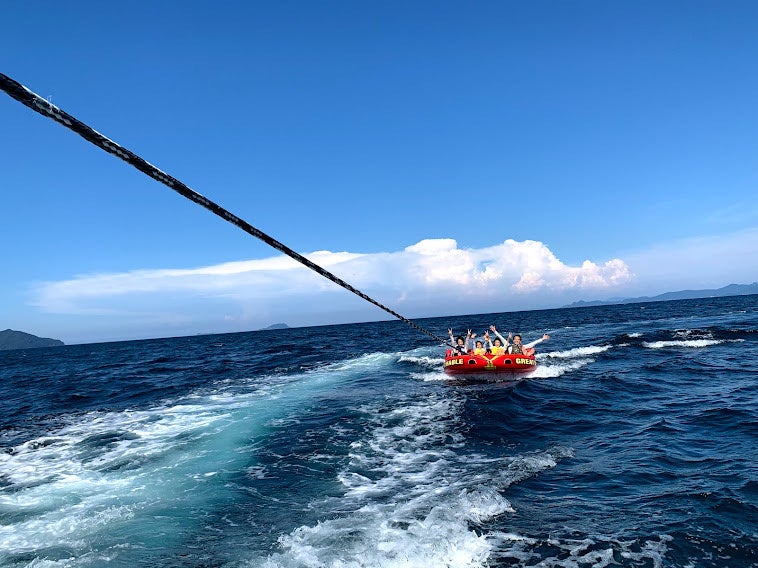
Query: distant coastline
[
  {"x": 730, "y": 290},
  {"x": 275, "y": 326},
  {"x": 11, "y": 339}
]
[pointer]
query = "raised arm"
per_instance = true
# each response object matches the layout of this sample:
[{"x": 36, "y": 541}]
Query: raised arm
[
  {"x": 536, "y": 341},
  {"x": 452, "y": 339},
  {"x": 488, "y": 340},
  {"x": 505, "y": 341}
]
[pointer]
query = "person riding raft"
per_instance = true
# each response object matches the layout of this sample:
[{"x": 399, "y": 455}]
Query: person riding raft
[
  {"x": 519, "y": 349},
  {"x": 459, "y": 345},
  {"x": 499, "y": 346}
]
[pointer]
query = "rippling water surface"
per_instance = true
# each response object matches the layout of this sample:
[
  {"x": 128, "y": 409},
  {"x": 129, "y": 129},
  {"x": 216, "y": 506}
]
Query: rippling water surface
[{"x": 633, "y": 444}]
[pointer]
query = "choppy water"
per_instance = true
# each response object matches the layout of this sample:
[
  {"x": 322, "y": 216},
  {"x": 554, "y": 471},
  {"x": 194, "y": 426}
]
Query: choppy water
[{"x": 633, "y": 444}]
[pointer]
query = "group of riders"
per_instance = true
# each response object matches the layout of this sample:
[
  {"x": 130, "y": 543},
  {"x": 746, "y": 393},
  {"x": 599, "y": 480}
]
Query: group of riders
[{"x": 498, "y": 346}]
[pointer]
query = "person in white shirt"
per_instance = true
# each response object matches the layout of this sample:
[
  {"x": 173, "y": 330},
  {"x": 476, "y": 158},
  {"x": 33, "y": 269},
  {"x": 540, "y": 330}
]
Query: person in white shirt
[{"x": 459, "y": 345}]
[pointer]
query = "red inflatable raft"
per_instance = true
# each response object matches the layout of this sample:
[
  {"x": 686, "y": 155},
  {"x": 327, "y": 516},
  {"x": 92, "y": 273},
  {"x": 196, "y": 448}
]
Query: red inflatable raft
[{"x": 488, "y": 364}]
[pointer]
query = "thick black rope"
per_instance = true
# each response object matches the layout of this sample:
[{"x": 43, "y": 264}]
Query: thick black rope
[{"x": 45, "y": 108}]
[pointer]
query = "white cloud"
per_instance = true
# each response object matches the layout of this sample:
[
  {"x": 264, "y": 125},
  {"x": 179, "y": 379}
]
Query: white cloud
[
  {"x": 433, "y": 277},
  {"x": 512, "y": 267},
  {"x": 425, "y": 278}
]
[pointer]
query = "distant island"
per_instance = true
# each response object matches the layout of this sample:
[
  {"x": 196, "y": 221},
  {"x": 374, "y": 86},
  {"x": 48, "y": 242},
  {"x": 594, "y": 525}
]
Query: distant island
[
  {"x": 10, "y": 339},
  {"x": 275, "y": 326},
  {"x": 730, "y": 290}
]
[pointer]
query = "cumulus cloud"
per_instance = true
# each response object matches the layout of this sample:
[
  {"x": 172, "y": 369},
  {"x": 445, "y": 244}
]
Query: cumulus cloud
[
  {"x": 510, "y": 267},
  {"x": 422, "y": 279}
]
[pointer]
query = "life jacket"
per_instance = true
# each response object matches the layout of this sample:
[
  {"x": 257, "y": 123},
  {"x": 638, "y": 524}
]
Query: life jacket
[
  {"x": 515, "y": 349},
  {"x": 498, "y": 350},
  {"x": 479, "y": 351}
]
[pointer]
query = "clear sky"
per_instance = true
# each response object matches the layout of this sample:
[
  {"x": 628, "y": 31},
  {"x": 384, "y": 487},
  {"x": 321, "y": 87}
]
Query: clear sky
[{"x": 444, "y": 157}]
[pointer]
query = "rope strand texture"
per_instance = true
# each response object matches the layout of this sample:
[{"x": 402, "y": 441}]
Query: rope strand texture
[{"x": 30, "y": 99}]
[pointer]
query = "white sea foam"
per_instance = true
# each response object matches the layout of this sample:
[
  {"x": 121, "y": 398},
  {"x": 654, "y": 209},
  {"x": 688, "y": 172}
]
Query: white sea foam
[
  {"x": 411, "y": 494},
  {"x": 96, "y": 472},
  {"x": 552, "y": 370},
  {"x": 574, "y": 353},
  {"x": 696, "y": 333},
  {"x": 422, "y": 361},
  {"x": 431, "y": 377},
  {"x": 595, "y": 552},
  {"x": 554, "y": 364},
  {"x": 111, "y": 477},
  {"x": 368, "y": 361},
  {"x": 690, "y": 343}
]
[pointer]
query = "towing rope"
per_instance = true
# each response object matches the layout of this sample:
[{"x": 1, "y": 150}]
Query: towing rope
[{"x": 45, "y": 108}]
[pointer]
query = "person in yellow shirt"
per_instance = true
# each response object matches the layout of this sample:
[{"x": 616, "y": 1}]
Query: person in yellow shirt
[
  {"x": 479, "y": 347},
  {"x": 496, "y": 346},
  {"x": 500, "y": 344}
]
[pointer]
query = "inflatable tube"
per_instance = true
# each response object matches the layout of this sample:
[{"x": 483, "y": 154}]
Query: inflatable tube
[{"x": 490, "y": 364}]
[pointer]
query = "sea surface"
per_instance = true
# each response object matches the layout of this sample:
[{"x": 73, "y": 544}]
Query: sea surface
[{"x": 635, "y": 443}]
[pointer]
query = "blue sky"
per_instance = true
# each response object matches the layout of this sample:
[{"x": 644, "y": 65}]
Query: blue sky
[{"x": 444, "y": 157}]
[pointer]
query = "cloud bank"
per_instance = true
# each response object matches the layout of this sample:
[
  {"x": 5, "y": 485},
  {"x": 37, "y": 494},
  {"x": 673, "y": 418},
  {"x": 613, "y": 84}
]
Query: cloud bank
[{"x": 431, "y": 277}]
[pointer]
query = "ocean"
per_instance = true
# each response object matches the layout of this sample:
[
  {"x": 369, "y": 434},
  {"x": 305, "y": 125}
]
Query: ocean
[{"x": 633, "y": 444}]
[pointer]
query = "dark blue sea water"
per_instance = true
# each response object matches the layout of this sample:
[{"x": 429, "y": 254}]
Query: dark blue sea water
[{"x": 633, "y": 444}]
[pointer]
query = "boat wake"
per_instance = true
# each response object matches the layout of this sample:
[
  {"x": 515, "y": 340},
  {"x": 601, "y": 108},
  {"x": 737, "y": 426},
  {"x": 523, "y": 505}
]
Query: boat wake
[
  {"x": 128, "y": 484},
  {"x": 412, "y": 494}
]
